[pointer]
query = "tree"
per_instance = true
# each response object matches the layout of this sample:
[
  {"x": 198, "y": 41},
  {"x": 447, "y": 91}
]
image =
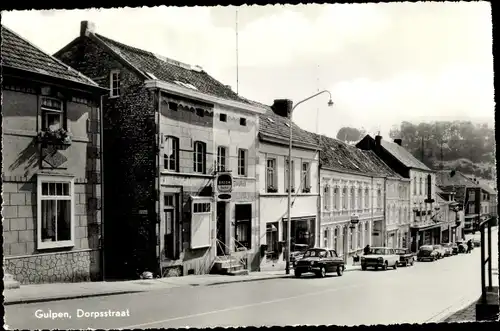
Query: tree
[{"x": 350, "y": 135}]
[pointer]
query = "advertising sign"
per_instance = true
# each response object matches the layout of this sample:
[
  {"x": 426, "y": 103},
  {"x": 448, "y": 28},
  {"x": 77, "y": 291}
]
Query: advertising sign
[{"x": 224, "y": 185}]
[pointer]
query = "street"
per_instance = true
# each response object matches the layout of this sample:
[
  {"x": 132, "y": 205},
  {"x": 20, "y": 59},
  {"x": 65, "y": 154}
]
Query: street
[{"x": 406, "y": 295}]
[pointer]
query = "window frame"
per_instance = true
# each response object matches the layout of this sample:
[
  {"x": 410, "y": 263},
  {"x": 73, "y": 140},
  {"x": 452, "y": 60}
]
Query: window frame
[
  {"x": 367, "y": 198},
  {"x": 326, "y": 198},
  {"x": 40, "y": 245},
  {"x": 113, "y": 88},
  {"x": 306, "y": 176},
  {"x": 176, "y": 141},
  {"x": 286, "y": 174},
  {"x": 222, "y": 166},
  {"x": 203, "y": 153},
  {"x": 274, "y": 174},
  {"x": 243, "y": 167},
  {"x": 45, "y": 110}
]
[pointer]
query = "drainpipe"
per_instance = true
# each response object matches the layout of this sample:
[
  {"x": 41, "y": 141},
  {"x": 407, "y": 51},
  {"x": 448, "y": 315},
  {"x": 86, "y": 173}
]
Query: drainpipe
[
  {"x": 318, "y": 203},
  {"x": 101, "y": 139},
  {"x": 158, "y": 179},
  {"x": 384, "y": 224},
  {"x": 370, "y": 224}
]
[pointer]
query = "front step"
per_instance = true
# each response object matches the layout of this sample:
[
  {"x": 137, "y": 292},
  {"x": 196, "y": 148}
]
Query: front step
[
  {"x": 242, "y": 272},
  {"x": 228, "y": 266}
]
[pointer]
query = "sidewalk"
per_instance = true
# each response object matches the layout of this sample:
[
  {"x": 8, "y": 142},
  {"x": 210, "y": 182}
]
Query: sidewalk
[{"x": 66, "y": 291}]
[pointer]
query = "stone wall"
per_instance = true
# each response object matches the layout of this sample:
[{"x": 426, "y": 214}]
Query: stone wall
[{"x": 73, "y": 266}]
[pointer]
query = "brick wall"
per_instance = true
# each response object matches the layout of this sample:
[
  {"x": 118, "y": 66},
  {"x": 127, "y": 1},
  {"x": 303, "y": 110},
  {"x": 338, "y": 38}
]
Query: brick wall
[{"x": 129, "y": 161}]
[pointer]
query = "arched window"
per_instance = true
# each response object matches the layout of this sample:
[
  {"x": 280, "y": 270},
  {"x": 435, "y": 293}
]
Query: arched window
[
  {"x": 344, "y": 198},
  {"x": 353, "y": 199}
]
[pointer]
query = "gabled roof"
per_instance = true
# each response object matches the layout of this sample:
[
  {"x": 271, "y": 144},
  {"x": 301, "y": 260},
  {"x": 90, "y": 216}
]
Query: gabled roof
[
  {"x": 444, "y": 179},
  {"x": 337, "y": 155},
  {"x": 170, "y": 71},
  {"x": 487, "y": 188},
  {"x": 271, "y": 124},
  {"x": 401, "y": 154},
  {"x": 18, "y": 53}
]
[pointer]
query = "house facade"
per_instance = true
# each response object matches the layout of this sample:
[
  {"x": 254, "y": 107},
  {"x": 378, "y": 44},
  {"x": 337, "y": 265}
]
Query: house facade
[
  {"x": 272, "y": 175},
  {"x": 51, "y": 175},
  {"x": 163, "y": 127},
  {"x": 423, "y": 229},
  {"x": 356, "y": 182},
  {"x": 398, "y": 212},
  {"x": 448, "y": 211}
]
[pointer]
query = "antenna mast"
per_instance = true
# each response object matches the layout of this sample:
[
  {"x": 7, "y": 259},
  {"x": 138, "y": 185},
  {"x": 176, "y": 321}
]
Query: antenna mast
[{"x": 237, "y": 60}]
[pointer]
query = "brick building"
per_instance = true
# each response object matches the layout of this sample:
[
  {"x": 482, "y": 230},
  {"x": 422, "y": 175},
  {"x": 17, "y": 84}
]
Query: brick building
[
  {"x": 161, "y": 151},
  {"x": 51, "y": 171}
]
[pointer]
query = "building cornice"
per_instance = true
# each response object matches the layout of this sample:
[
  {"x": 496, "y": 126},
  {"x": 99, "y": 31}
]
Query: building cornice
[{"x": 189, "y": 93}]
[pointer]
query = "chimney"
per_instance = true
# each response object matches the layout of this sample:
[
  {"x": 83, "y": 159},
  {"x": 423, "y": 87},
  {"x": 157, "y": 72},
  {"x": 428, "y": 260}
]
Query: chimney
[
  {"x": 86, "y": 27},
  {"x": 378, "y": 140},
  {"x": 228, "y": 86},
  {"x": 398, "y": 141},
  {"x": 282, "y": 107}
]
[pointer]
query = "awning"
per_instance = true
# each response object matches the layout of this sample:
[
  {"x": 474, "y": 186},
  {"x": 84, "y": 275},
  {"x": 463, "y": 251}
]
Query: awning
[
  {"x": 271, "y": 228},
  {"x": 424, "y": 227}
]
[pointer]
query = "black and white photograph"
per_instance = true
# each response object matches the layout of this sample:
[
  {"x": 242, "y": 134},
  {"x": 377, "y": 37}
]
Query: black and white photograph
[{"x": 237, "y": 166}]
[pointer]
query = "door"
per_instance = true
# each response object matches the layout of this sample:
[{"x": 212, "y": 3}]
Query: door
[
  {"x": 221, "y": 228},
  {"x": 171, "y": 232}
]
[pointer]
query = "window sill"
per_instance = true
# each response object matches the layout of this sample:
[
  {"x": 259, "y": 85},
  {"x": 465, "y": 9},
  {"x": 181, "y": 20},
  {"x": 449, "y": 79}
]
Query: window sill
[
  {"x": 113, "y": 97},
  {"x": 185, "y": 174},
  {"x": 286, "y": 194},
  {"x": 54, "y": 244}
]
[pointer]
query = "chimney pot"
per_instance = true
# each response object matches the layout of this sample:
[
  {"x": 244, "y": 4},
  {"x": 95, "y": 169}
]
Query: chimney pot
[
  {"x": 282, "y": 107},
  {"x": 378, "y": 140},
  {"x": 398, "y": 141},
  {"x": 86, "y": 27}
]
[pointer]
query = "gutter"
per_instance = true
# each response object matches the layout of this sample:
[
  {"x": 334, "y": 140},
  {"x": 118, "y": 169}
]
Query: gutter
[
  {"x": 270, "y": 138},
  {"x": 101, "y": 138},
  {"x": 158, "y": 180},
  {"x": 384, "y": 224}
]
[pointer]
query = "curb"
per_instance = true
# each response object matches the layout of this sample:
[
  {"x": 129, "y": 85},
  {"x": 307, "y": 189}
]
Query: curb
[
  {"x": 61, "y": 298},
  {"x": 453, "y": 309}
]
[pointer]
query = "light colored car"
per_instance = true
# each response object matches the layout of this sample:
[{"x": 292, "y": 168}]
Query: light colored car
[
  {"x": 440, "y": 250},
  {"x": 380, "y": 257},
  {"x": 448, "y": 249}
]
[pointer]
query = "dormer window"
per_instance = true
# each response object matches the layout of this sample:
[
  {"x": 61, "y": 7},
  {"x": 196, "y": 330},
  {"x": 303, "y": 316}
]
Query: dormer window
[{"x": 114, "y": 83}]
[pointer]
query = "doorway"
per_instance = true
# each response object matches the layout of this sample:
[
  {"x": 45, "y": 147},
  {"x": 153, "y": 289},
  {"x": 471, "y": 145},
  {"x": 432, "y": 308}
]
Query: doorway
[
  {"x": 171, "y": 226},
  {"x": 221, "y": 228}
]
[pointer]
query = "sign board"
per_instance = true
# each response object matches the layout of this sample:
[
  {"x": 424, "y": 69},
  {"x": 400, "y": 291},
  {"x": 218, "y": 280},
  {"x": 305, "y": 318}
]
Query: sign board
[
  {"x": 354, "y": 219},
  {"x": 224, "y": 185}
]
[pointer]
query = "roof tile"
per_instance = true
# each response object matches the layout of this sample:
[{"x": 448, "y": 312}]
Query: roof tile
[
  {"x": 19, "y": 53},
  {"x": 403, "y": 155},
  {"x": 171, "y": 71}
]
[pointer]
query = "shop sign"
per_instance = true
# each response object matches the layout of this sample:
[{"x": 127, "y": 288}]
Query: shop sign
[{"x": 224, "y": 185}]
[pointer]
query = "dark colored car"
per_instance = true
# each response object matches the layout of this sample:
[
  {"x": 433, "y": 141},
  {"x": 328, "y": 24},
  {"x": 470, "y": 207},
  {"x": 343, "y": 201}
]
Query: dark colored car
[
  {"x": 427, "y": 253},
  {"x": 298, "y": 251},
  {"x": 319, "y": 261},
  {"x": 462, "y": 246},
  {"x": 406, "y": 258}
]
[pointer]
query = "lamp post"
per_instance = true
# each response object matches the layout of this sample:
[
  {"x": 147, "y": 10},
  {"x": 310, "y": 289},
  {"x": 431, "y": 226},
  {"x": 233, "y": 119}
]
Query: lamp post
[{"x": 289, "y": 219}]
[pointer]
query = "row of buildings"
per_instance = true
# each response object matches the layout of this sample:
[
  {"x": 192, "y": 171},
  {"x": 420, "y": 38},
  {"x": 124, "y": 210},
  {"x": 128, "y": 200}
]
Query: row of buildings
[{"x": 117, "y": 160}]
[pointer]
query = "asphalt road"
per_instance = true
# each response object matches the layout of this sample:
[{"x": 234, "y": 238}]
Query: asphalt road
[{"x": 407, "y": 295}]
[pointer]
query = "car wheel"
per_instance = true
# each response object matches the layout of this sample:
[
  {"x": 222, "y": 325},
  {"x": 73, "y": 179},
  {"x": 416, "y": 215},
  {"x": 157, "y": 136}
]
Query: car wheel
[
  {"x": 321, "y": 273},
  {"x": 384, "y": 267},
  {"x": 363, "y": 267},
  {"x": 297, "y": 274},
  {"x": 340, "y": 270},
  {"x": 395, "y": 266},
  {"x": 411, "y": 262},
  {"x": 405, "y": 264}
]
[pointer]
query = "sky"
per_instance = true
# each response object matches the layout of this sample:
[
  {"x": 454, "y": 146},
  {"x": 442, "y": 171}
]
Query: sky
[{"x": 382, "y": 62}]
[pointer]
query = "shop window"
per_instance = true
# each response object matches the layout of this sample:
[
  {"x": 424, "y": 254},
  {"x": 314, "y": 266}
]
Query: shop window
[
  {"x": 55, "y": 212},
  {"x": 201, "y": 220},
  {"x": 243, "y": 225},
  {"x": 171, "y": 155}
]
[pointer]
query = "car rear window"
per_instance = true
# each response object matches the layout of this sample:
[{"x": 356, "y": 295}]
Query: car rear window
[{"x": 426, "y": 248}]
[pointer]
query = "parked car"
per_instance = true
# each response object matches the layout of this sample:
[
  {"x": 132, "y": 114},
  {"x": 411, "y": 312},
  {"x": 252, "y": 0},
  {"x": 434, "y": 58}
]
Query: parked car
[
  {"x": 427, "y": 253},
  {"x": 454, "y": 248},
  {"x": 297, "y": 253},
  {"x": 380, "y": 257},
  {"x": 320, "y": 261},
  {"x": 441, "y": 251},
  {"x": 462, "y": 246},
  {"x": 448, "y": 249},
  {"x": 406, "y": 257},
  {"x": 476, "y": 241}
]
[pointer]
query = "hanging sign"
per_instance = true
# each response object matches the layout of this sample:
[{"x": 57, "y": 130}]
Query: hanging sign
[{"x": 224, "y": 185}]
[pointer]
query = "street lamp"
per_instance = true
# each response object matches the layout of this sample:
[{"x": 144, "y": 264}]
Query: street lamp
[{"x": 289, "y": 225}]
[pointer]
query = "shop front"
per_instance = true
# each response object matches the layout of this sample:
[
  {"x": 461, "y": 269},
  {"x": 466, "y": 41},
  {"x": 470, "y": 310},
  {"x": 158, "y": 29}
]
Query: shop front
[{"x": 425, "y": 235}]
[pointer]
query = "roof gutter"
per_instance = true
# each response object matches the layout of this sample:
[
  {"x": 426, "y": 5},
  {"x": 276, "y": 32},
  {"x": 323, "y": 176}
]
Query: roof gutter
[
  {"x": 270, "y": 138},
  {"x": 189, "y": 93}
]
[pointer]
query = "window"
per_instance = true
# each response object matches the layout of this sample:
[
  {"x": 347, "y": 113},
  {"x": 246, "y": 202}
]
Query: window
[
  {"x": 336, "y": 198},
  {"x": 221, "y": 158},
  {"x": 271, "y": 176},
  {"x": 360, "y": 195},
  {"x": 242, "y": 162},
  {"x": 201, "y": 207},
  {"x": 200, "y": 112},
  {"x": 414, "y": 185},
  {"x": 351, "y": 238},
  {"x": 367, "y": 198},
  {"x": 52, "y": 114},
  {"x": 379, "y": 198},
  {"x": 171, "y": 155},
  {"x": 325, "y": 238},
  {"x": 426, "y": 185},
  {"x": 199, "y": 157},
  {"x": 326, "y": 197},
  {"x": 286, "y": 175},
  {"x": 344, "y": 198},
  {"x": 114, "y": 83},
  {"x": 223, "y": 117},
  {"x": 55, "y": 213},
  {"x": 243, "y": 121},
  {"x": 172, "y": 106},
  {"x": 367, "y": 233},
  {"x": 420, "y": 191},
  {"x": 305, "y": 177},
  {"x": 335, "y": 238},
  {"x": 243, "y": 225},
  {"x": 359, "y": 234},
  {"x": 353, "y": 199}
]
